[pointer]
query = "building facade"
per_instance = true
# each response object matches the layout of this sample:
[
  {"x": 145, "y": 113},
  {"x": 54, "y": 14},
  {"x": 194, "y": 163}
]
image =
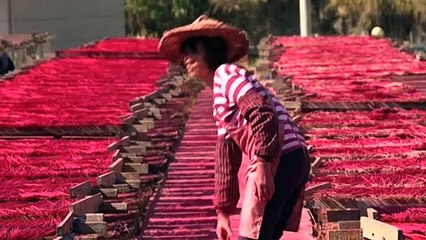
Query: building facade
[{"x": 71, "y": 22}]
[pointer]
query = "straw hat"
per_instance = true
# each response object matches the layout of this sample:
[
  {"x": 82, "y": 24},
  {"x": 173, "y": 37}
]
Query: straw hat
[{"x": 170, "y": 43}]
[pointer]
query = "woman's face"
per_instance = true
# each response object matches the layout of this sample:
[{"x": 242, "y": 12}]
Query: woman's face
[{"x": 196, "y": 64}]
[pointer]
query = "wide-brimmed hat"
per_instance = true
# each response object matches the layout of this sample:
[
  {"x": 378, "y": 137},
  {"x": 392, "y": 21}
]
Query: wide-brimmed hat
[{"x": 171, "y": 42}]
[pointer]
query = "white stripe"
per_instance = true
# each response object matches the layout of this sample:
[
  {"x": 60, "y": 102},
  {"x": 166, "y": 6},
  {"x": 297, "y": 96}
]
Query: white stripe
[
  {"x": 221, "y": 131},
  {"x": 234, "y": 86},
  {"x": 220, "y": 110},
  {"x": 232, "y": 68},
  {"x": 289, "y": 136},
  {"x": 288, "y": 127},
  {"x": 221, "y": 71},
  {"x": 219, "y": 100},
  {"x": 224, "y": 116},
  {"x": 280, "y": 108},
  {"x": 291, "y": 144},
  {"x": 244, "y": 90},
  {"x": 244, "y": 121},
  {"x": 226, "y": 77},
  {"x": 218, "y": 79},
  {"x": 242, "y": 72},
  {"x": 283, "y": 117},
  {"x": 217, "y": 90}
]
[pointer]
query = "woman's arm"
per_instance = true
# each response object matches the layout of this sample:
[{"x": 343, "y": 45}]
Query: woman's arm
[
  {"x": 227, "y": 163},
  {"x": 263, "y": 122},
  {"x": 255, "y": 108}
]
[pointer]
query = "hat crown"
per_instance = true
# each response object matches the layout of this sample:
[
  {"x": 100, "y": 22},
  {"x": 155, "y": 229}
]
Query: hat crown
[{"x": 201, "y": 18}]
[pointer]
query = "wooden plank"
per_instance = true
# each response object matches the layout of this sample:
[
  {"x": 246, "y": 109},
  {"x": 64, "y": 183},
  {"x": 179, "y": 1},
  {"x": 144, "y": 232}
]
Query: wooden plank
[
  {"x": 135, "y": 149},
  {"x": 81, "y": 189},
  {"x": 336, "y": 215},
  {"x": 109, "y": 192},
  {"x": 316, "y": 188},
  {"x": 151, "y": 96},
  {"x": 344, "y": 225},
  {"x": 113, "y": 146},
  {"x": 128, "y": 155},
  {"x": 94, "y": 217},
  {"x": 148, "y": 122},
  {"x": 130, "y": 159},
  {"x": 376, "y": 230},
  {"x": 297, "y": 118},
  {"x": 66, "y": 226},
  {"x": 141, "y": 113},
  {"x": 175, "y": 93},
  {"x": 122, "y": 187},
  {"x": 143, "y": 144},
  {"x": 155, "y": 113},
  {"x": 291, "y": 104},
  {"x": 139, "y": 128},
  {"x": 92, "y": 227},
  {"x": 128, "y": 176},
  {"x": 167, "y": 96},
  {"x": 316, "y": 164},
  {"x": 135, "y": 107},
  {"x": 117, "y": 166},
  {"x": 372, "y": 213},
  {"x": 134, "y": 183},
  {"x": 352, "y": 234},
  {"x": 125, "y": 141},
  {"x": 89, "y": 204},
  {"x": 114, "y": 207},
  {"x": 116, "y": 155},
  {"x": 136, "y": 167},
  {"x": 129, "y": 120},
  {"x": 136, "y": 100},
  {"x": 107, "y": 179}
]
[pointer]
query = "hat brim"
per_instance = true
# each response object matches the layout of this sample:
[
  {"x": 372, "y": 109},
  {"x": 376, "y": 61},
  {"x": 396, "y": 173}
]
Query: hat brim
[{"x": 171, "y": 42}]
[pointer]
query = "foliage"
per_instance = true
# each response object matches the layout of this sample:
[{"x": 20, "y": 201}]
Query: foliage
[
  {"x": 258, "y": 17},
  {"x": 279, "y": 17},
  {"x": 397, "y": 17}
]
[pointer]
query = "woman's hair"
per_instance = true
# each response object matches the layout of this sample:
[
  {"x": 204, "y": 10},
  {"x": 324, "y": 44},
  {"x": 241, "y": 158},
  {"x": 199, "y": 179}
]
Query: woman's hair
[{"x": 215, "y": 48}]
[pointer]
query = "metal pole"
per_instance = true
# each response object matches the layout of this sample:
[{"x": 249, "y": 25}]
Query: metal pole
[
  {"x": 9, "y": 16},
  {"x": 305, "y": 17}
]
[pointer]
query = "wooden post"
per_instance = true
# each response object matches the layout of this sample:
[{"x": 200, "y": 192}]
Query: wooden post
[
  {"x": 376, "y": 230},
  {"x": 81, "y": 189},
  {"x": 66, "y": 226},
  {"x": 89, "y": 204}
]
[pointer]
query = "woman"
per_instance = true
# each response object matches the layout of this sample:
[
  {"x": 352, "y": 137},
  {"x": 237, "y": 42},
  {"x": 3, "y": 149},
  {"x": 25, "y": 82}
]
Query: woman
[{"x": 250, "y": 121}]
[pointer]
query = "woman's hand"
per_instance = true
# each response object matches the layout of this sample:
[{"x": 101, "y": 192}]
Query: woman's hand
[
  {"x": 264, "y": 181},
  {"x": 223, "y": 229}
]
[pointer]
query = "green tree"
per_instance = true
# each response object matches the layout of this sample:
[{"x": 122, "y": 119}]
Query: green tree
[
  {"x": 397, "y": 17},
  {"x": 257, "y": 17},
  {"x": 153, "y": 17}
]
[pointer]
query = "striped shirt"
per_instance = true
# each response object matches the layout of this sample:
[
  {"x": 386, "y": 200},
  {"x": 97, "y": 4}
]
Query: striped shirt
[
  {"x": 230, "y": 84},
  {"x": 247, "y": 115}
]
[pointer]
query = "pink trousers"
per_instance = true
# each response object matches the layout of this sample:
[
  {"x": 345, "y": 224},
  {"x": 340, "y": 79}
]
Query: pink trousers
[{"x": 268, "y": 220}]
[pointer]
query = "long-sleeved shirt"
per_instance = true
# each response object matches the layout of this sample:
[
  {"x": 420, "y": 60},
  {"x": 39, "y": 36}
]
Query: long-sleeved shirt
[{"x": 248, "y": 117}]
